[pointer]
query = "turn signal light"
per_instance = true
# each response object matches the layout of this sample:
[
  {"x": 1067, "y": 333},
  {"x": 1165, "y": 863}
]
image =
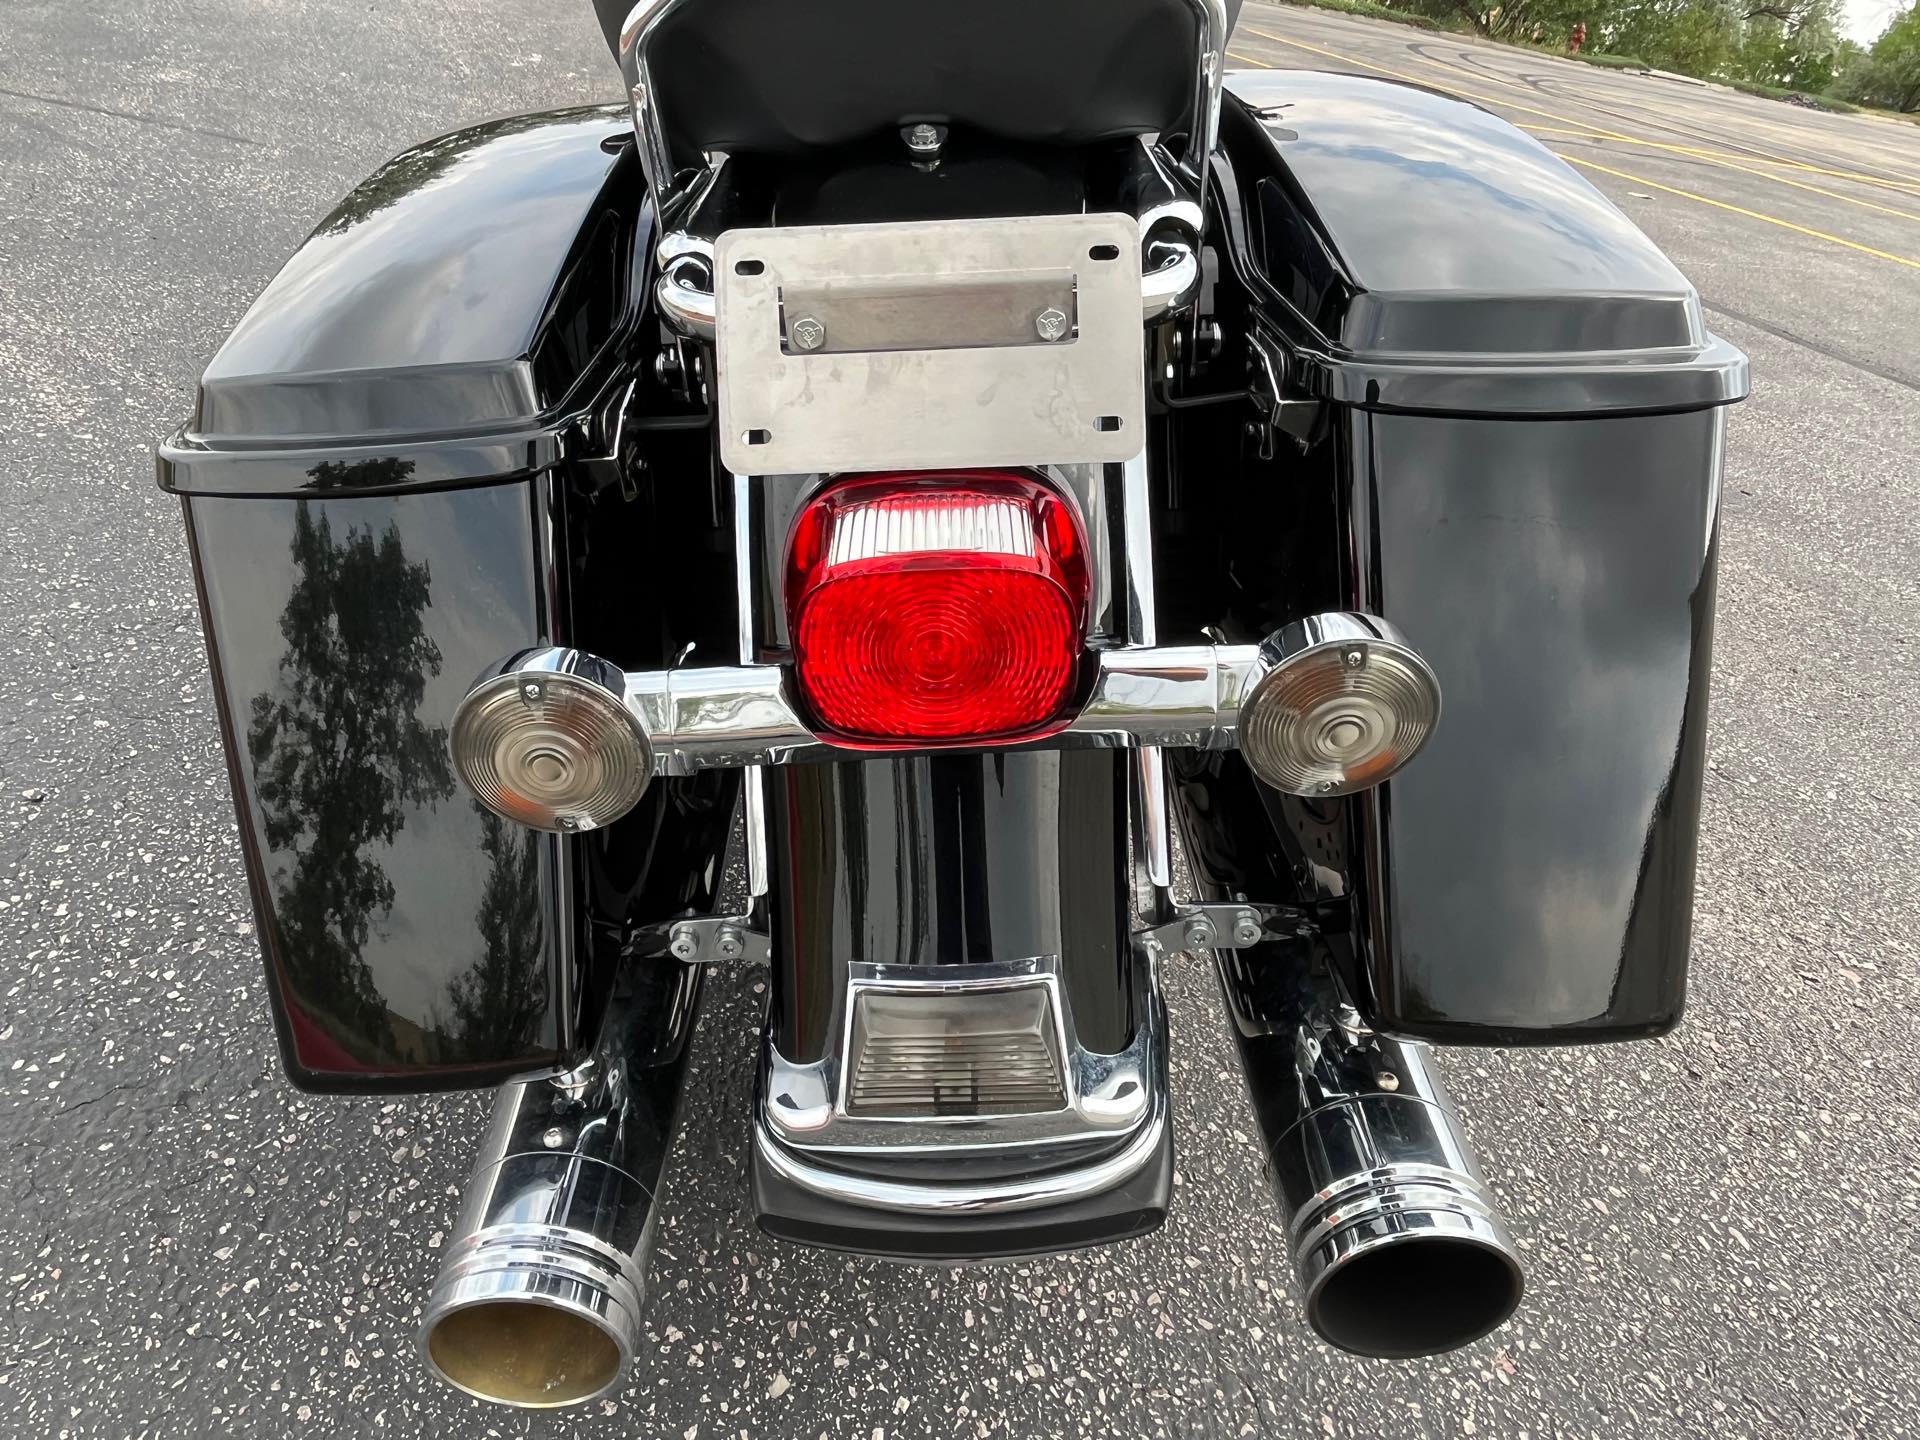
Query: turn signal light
[
  {"x": 1343, "y": 703},
  {"x": 549, "y": 742},
  {"x": 943, "y": 608}
]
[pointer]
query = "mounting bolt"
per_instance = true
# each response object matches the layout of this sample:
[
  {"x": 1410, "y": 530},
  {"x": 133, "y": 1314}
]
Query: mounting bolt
[
  {"x": 1246, "y": 928},
  {"x": 1199, "y": 933},
  {"x": 1051, "y": 323},
  {"x": 1356, "y": 658},
  {"x": 925, "y": 141},
  {"x": 682, "y": 942},
  {"x": 554, "y": 1137},
  {"x": 807, "y": 333},
  {"x": 1387, "y": 1080},
  {"x": 530, "y": 690},
  {"x": 729, "y": 944}
]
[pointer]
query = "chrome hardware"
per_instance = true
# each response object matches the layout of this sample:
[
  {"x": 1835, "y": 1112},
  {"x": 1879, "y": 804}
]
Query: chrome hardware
[
  {"x": 1050, "y": 323},
  {"x": 1169, "y": 278},
  {"x": 1194, "y": 696},
  {"x": 1117, "y": 1104},
  {"x": 685, "y": 287},
  {"x": 704, "y": 940},
  {"x": 1222, "y": 926},
  {"x": 925, "y": 142},
  {"x": 723, "y": 716},
  {"x": 807, "y": 333}
]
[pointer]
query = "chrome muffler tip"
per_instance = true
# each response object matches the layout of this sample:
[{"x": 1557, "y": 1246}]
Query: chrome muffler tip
[
  {"x": 1402, "y": 1263},
  {"x": 533, "y": 1316},
  {"x": 1398, "y": 1244}
]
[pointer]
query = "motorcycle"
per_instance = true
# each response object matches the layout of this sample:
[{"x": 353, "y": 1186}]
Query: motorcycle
[{"x": 867, "y": 506}]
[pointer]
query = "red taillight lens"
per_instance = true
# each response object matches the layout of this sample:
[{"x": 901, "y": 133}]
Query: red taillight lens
[{"x": 944, "y": 608}]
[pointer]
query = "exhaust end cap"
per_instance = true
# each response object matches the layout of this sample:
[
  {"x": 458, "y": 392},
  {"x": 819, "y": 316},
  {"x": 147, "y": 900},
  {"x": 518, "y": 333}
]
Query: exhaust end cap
[
  {"x": 536, "y": 1320},
  {"x": 1407, "y": 1277}
]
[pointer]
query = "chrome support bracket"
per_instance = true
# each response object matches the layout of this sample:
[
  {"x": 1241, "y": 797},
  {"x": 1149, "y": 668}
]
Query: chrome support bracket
[
  {"x": 1282, "y": 407},
  {"x": 1234, "y": 925},
  {"x": 704, "y": 940}
]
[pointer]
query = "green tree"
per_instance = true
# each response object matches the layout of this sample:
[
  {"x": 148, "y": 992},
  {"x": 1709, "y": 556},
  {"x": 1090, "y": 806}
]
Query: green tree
[
  {"x": 339, "y": 754},
  {"x": 497, "y": 1004},
  {"x": 1889, "y": 73}
]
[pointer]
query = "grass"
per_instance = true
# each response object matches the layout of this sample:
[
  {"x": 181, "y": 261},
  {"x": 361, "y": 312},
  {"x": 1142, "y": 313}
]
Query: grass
[
  {"x": 1612, "y": 62},
  {"x": 1381, "y": 12},
  {"x": 1774, "y": 92},
  {"x": 1372, "y": 11}
]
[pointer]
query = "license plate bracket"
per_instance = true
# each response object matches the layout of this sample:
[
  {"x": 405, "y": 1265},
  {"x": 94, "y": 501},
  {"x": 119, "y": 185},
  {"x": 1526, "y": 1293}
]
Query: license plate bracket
[{"x": 933, "y": 345}]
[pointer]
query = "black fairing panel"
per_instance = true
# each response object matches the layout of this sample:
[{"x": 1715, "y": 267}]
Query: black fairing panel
[
  {"x": 1517, "y": 461},
  {"x": 385, "y": 494}
]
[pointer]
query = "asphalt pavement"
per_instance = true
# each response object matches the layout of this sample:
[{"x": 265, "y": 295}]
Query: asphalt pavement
[{"x": 1719, "y": 1227}]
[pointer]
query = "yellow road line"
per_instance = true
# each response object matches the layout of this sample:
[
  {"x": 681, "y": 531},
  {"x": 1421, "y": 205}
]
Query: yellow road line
[
  {"x": 1604, "y": 169},
  {"x": 1586, "y": 132},
  {"x": 1701, "y": 154},
  {"x": 1742, "y": 210},
  {"x": 1778, "y": 179}
]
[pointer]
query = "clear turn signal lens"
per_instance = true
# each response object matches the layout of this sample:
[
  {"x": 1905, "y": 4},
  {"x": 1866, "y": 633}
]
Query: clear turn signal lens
[
  {"x": 1343, "y": 704},
  {"x": 549, "y": 742}
]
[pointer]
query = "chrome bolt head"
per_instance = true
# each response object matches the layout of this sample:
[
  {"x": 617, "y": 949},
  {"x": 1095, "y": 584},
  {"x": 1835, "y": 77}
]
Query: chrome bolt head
[
  {"x": 1387, "y": 1080},
  {"x": 553, "y": 1137},
  {"x": 1246, "y": 929},
  {"x": 807, "y": 333},
  {"x": 1051, "y": 323},
  {"x": 683, "y": 943},
  {"x": 530, "y": 691},
  {"x": 729, "y": 944},
  {"x": 925, "y": 141},
  {"x": 1199, "y": 932},
  {"x": 1356, "y": 658}
]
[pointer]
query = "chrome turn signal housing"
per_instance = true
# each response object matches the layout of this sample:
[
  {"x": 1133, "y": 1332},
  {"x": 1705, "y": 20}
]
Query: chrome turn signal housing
[
  {"x": 1342, "y": 703},
  {"x": 547, "y": 740}
]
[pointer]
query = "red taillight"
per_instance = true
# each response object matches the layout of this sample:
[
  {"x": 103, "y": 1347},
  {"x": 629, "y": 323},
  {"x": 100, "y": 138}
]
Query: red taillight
[{"x": 939, "y": 607}]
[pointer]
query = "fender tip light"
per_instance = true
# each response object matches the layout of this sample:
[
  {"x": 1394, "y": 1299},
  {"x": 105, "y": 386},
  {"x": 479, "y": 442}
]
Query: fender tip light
[
  {"x": 547, "y": 741},
  {"x": 1343, "y": 703}
]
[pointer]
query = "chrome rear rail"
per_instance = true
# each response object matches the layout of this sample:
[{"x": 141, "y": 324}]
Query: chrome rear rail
[
  {"x": 562, "y": 740},
  {"x": 723, "y": 716}
]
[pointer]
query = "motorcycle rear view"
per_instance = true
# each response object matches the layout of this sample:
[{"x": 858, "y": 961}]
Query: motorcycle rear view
[{"x": 931, "y": 458}]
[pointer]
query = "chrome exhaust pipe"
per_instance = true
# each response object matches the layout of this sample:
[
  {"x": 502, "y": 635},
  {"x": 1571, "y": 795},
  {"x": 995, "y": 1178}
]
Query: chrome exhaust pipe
[
  {"x": 538, "y": 1301},
  {"x": 1397, "y": 1245}
]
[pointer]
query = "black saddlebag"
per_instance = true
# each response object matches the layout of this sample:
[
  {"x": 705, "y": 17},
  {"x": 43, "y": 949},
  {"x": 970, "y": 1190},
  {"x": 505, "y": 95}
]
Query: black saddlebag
[
  {"x": 375, "y": 483},
  {"x": 1507, "y": 412}
]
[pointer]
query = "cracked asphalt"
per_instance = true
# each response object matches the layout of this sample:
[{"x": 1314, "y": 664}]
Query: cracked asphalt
[{"x": 1720, "y": 1227}]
